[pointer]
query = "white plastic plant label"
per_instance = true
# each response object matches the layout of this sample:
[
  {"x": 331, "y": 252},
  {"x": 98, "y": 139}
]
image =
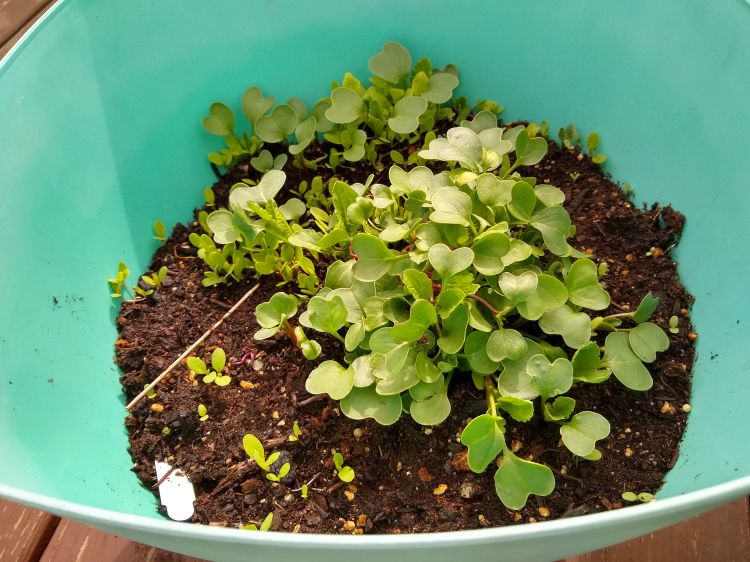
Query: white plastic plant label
[{"x": 176, "y": 492}]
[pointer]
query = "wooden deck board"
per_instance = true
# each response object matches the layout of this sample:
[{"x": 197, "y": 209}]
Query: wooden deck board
[{"x": 24, "y": 532}]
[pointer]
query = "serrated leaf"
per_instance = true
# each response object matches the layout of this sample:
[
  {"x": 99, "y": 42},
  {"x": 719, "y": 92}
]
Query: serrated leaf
[
  {"x": 645, "y": 309},
  {"x": 587, "y": 364},
  {"x": 517, "y": 479},
  {"x": 646, "y": 340},
  {"x": 625, "y": 364},
  {"x": 582, "y": 432},
  {"x": 560, "y": 409},
  {"x": 485, "y": 439},
  {"x": 417, "y": 283},
  {"x": 330, "y": 378},
  {"x": 583, "y": 285},
  {"x": 362, "y": 403}
]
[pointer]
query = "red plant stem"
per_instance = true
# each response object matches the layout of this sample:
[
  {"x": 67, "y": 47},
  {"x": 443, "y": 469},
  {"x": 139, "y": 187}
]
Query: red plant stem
[{"x": 491, "y": 308}]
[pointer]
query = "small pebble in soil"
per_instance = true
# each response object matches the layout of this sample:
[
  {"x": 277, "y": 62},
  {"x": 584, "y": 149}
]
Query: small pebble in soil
[
  {"x": 628, "y": 452},
  {"x": 156, "y": 407},
  {"x": 686, "y": 408},
  {"x": 358, "y": 432},
  {"x": 667, "y": 408},
  {"x": 440, "y": 489},
  {"x": 543, "y": 511},
  {"x": 349, "y": 495}
]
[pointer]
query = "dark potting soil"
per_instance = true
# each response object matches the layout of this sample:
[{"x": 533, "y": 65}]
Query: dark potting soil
[{"x": 408, "y": 478}]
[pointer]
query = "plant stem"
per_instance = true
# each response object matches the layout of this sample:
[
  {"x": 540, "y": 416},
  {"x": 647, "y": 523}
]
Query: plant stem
[
  {"x": 489, "y": 391},
  {"x": 190, "y": 349},
  {"x": 486, "y": 303}
]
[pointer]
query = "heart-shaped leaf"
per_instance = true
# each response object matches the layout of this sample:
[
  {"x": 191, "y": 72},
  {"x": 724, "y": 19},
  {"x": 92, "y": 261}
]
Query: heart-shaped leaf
[
  {"x": 582, "y": 432},
  {"x": 554, "y": 225},
  {"x": 432, "y": 411},
  {"x": 356, "y": 150},
  {"x": 574, "y": 327},
  {"x": 482, "y": 120},
  {"x": 484, "y": 436},
  {"x": 451, "y": 207},
  {"x": 583, "y": 285},
  {"x": 406, "y": 115},
  {"x": 440, "y": 88},
  {"x": 255, "y": 105},
  {"x": 327, "y": 314},
  {"x": 449, "y": 262},
  {"x": 421, "y": 316},
  {"x": 646, "y": 340},
  {"x": 517, "y": 479},
  {"x": 279, "y": 307},
  {"x": 392, "y": 63},
  {"x": 346, "y": 106},
  {"x": 550, "y": 195},
  {"x": 505, "y": 343},
  {"x": 460, "y": 145},
  {"x": 475, "y": 350},
  {"x": 549, "y": 294},
  {"x": 530, "y": 151},
  {"x": 270, "y": 184},
  {"x": 220, "y": 120},
  {"x": 625, "y": 364},
  {"x": 362, "y": 403},
  {"x": 330, "y": 378},
  {"x": 515, "y": 380},
  {"x": 277, "y": 126},
  {"x": 221, "y": 223},
  {"x": 550, "y": 379},
  {"x": 645, "y": 309},
  {"x": 489, "y": 249},
  {"x": 518, "y": 288},
  {"x": 373, "y": 257},
  {"x": 305, "y": 134}
]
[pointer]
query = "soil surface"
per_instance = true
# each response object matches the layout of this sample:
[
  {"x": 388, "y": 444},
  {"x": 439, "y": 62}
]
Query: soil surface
[{"x": 408, "y": 478}]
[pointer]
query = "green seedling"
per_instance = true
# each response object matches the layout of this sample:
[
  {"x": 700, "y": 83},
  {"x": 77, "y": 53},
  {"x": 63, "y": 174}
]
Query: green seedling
[
  {"x": 154, "y": 280},
  {"x": 202, "y": 412},
  {"x": 150, "y": 393},
  {"x": 345, "y": 473},
  {"x": 674, "y": 325},
  {"x": 215, "y": 374},
  {"x": 165, "y": 431},
  {"x": 305, "y": 491},
  {"x": 117, "y": 283},
  {"x": 453, "y": 264},
  {"x": 643, "y": 497},
  {"x": 592, "y": 143},
  {"x": 254, "y": 449},
  {"x": 296, "y": 432},
  {"x": 160, "y": 231},
  {"x": 264, "y": 526}
]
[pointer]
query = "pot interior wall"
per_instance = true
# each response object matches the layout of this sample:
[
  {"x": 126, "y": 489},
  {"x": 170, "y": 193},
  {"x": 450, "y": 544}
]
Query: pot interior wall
[{"x": 100, "y": 135}]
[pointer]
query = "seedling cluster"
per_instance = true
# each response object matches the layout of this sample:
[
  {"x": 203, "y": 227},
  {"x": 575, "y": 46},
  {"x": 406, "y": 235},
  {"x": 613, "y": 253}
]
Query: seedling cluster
[{"x": 453, "y": 264}]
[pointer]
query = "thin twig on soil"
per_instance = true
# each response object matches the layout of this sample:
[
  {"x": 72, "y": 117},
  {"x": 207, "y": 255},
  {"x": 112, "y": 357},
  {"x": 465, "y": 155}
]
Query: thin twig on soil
[{"x": 192, "y": 348}]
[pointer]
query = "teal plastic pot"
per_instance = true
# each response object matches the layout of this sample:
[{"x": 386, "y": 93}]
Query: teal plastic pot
[{"x": 100, "y": 135}]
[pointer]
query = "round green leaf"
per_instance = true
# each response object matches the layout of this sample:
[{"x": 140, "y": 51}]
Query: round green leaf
[
  {"x": 392, "y": 63},
  {"x": 523, "y": 201},
  {"x": 363, "y": 403},
  {"x": 346, "y": 106},
  {"x": 648, "y": 339},
  {"x": 422, "y": 315},
  {"x": 327, "y": 314},
  {"x": 406, "y": 114},
  {"x": 519, "y": 409},
  {"x": 220, "y": 120},
  {"x": 493, "y": 191},
  {"x": 432, "y": 411},
  {"x": 330, "y": 378},
  {"x": 451, "y": 207},
  {"x": 583, "y": 286},
  {"x": 530, "y": 151},
  {"x": 448, "y": 262},
  {"x": 454, "y": 330},
  {"x": 485, "y": 440},
  {"x": 505, "y": 343},
  {"x": 549, "y": 294},
  {"x": 582, "y": 432},
  {"x": 588, "y": 366},
  {"x": 625, "y": 364},
  {"x": 489, "y": 249},
  {"x": 550, "y": 379},
  {"x": 574, "y": 327},
  {"x": 516, "y": 479},
  {"x": 221, "y": 223},
  {"x": 475, "y": 350},
  {"x": 196, "y": 365},
  {"x": 277, "y": 126},
  {"x": 554, "y": 225},
  {"x": 372, "y": 257},
  {"x": 440, "y": 88}
]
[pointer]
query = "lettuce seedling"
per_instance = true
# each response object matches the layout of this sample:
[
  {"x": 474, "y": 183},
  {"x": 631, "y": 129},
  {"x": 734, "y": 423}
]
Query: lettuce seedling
[
  {"x": 117, "y": 283},
  {"x": 214, "y": 375},
  {"x": 254, "y": 449},
  {"x": 264, "y": 526},
  {"x": 154, "y": 280},
  {"x": 345, "y": 473},
  {"x": 202, "y": 412}
]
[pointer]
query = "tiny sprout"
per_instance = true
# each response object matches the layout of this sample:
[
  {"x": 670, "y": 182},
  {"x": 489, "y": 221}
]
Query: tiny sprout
[
  {"x": 160, "y": 231},
  {"x": 295, "y": 432},
  {"x": 218, "y": 361},
  {"x": 592, "y": 142},
  {"x": 574, "y": 176},
  {"x": 674, "y": 323},
  {"x": 154, "y": 280},
  {"x": 345, "y": 473},
  {"x": 208, "y": 195},
  {"x": 117, "y": 283},
  {"x": 603, "y": 269},
  {"x": 264, "y": 526},
  {"x": 166, "y": 431},
  {"x": 304, "y": 491},
  {"x": 254, "y": 449},
  {"x": 150, "y": 393},
  {"x": 283, "y": 471},
  {"x": 643, "y": 497},
  {"x": 202, "y": 412}
]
